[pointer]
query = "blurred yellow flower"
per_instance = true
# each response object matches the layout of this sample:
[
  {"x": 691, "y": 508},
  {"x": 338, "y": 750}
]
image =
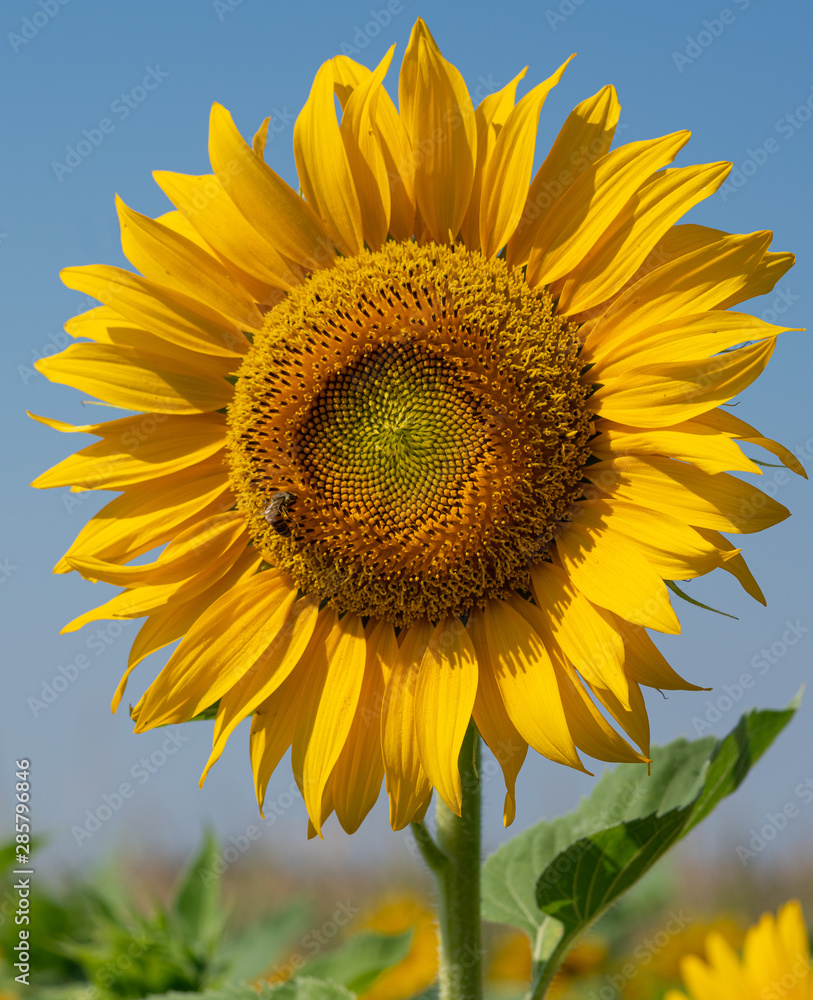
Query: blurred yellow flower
[
  {"x": 659, "y": 966},
  {"x": 775, "y": 963},
  {"x": 394, "y": 915}
]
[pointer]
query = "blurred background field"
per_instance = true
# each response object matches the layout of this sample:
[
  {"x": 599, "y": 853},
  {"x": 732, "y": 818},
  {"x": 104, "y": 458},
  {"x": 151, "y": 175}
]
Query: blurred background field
[{"x": 142, "y": 925}]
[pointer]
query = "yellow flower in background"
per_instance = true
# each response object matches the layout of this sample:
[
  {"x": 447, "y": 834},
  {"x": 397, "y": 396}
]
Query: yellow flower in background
[
  {"x": 657, "y": 961},
  {"x": 775, "y": 963},
  {"x": 412, "y": 975},
  {"x": 423, "y": 444}
]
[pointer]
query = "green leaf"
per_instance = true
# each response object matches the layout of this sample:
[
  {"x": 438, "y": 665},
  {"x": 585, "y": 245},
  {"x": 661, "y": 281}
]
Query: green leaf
[
  {"x": 197, "y": 900},
  {"x": 676, "y": 590},
  {"x": 361, "y": 959},
  {"x": 557, "y": 877},
  {"x": 257, "y": 947}
]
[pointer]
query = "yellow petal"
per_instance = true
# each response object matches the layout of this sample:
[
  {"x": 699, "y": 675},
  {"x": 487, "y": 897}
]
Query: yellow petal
[
  {"x": 263, "y": 197},
  {"x": 612, "y": 573},
  {"x": 168, "y": 624},
  {"x": 105, "y": 326},
  {"x": 735, "y": 564},
  {"x": 359, "y": 771},
  {"x": 673, "y": 549},
  {"x": 407, "y": 784},
  {"x": 492, "y": 719},
  {"x": 273, "y": 728},
  {"x": 444, "y": 698},
  {"x": 720, "y": 502},
  {"x": 792, "y": 932},
  {"x": 134, "y": 381},
  {"x": 723, "y": 421},
  {"x": 584, "y": 138},
  {"x": 149, "y": 514},
  {"x": 762, "y": 278},
  {"x": 172, "y": 260},
  {"x": 335, "y": 670},
  {"x": 439, "y": 117},
  {"x": 569, "y": 621},
  {"x": 624, "y": 246},
  {"x": 260, "y": 138},
  {"x": 644, "y": 662},
  {"x": 689, "y": 441},
  {"x": 323, "y": 167},
  {"x": 136, "y": 449},
  {"x": 347, "y": 75},
  {"x": 199, "y": 544},
  {"x": 218, "y": 650},
  {"x": 527, "y": 682},
  {"x": 633, "y": 719},
  {"x": 164, "y": 311},
  {"x": 590, "y": 730},
  {"x": 507, "y": 172},
  {"x": 241, "y": 248},
  {"x": 490, "y": 115},
  {"x": 393, "y": 142},
  {"x": 662, "y": 394},
  {"x": 178, "y": 223},
  {"x": 148, "y": 595},
  {"x": 588, "y": 207},
  {"x": 265, "y": 675},
  {"x": 685, "y": 286},
  {"x": 682, "y": 339},
  {"x": 364, "y": 155}
]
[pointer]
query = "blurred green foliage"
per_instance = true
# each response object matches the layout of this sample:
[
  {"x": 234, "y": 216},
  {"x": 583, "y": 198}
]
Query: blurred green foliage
[{"x": 95, "y": 943}]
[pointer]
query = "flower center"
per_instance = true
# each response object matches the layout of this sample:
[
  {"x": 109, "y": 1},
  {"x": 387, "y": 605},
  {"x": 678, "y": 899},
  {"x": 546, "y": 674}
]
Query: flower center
[{"x": 407, "y": 431}]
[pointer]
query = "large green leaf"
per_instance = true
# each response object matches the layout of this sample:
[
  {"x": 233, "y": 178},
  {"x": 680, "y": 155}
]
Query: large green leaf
[
  {"x": 361, "y": 959},
  {"x": 556, "y": 878}
]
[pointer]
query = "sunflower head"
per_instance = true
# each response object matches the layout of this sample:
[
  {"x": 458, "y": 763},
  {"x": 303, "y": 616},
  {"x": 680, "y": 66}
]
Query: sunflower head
[
  {"x": 424, "y": 443},
  {"x": 423, "y": 409}
]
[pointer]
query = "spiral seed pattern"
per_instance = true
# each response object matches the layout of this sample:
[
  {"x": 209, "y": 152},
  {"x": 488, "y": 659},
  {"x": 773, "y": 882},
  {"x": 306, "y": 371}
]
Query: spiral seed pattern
[{"x": 424, "y": 407}]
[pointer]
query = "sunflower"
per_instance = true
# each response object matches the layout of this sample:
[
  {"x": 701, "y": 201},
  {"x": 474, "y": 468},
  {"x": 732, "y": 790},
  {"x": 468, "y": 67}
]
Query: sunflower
[
  {"x": 422, "y": 443},
  {"x": 775, "y": 963}
]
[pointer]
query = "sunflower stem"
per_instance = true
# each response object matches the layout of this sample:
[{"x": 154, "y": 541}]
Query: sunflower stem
[
  {"x": 433, "y": 856},
  {"x": 458, "y": 882}
]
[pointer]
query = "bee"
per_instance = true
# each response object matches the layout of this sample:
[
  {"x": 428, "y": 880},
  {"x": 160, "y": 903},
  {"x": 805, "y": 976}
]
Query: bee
[{"x": 276, "y": 511}]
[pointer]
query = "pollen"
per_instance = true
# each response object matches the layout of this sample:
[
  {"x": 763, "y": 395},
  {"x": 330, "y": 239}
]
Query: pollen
[{"x": 423, "y": 408}]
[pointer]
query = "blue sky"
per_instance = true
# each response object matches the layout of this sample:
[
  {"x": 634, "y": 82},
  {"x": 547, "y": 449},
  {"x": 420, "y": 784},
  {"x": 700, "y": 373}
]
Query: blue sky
[{"x": 739, "y": 76}]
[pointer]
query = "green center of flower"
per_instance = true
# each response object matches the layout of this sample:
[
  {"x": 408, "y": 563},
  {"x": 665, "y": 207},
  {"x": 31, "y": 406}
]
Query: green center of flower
[
  {"x": 407, "y": 431},
  {"x": 394, "y": 435}
]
